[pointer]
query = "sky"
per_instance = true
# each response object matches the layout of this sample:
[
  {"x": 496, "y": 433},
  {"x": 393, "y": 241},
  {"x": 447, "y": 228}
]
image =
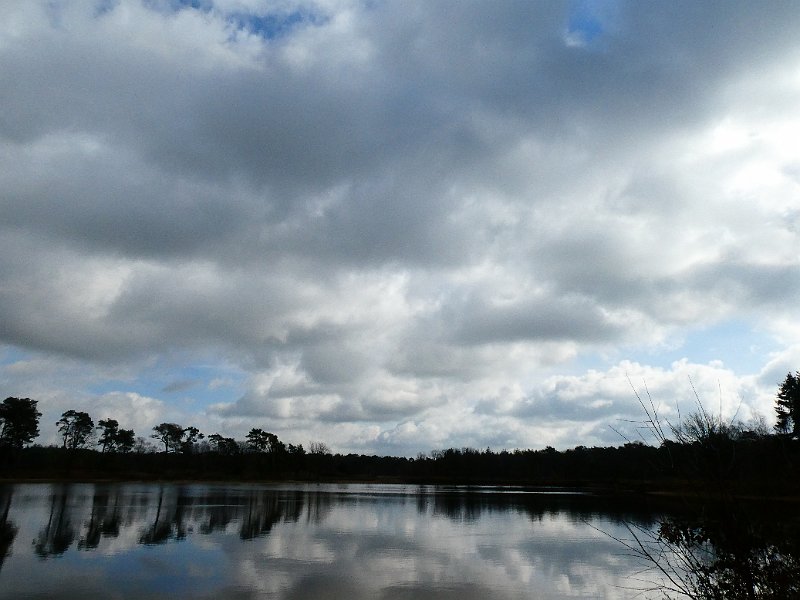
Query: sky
[{"x": 399, "y": 226}]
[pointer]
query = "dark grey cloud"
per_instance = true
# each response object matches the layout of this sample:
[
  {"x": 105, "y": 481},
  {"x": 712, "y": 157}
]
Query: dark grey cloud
[
  {"x": 569, "y": 318},
  {"x": 181, "y": 385}
]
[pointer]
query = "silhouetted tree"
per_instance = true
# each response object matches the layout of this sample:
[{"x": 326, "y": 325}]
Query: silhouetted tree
[
  {"x": 224, "y": 445},
  {"x": 319, "y": 448},
  {"x": 125, "y": 440},
  {"x": 787, "y": 406},
  {"x": 108, "y": 437},
  {"x": 296, "y": 450},
  {"x": 170, "y": 434},
  {"x": 190, "y": 436},
  {"x": 19, "y": 422},
  {"x": 264, "y": 441},
  {"x": 175, "y": 438},
  {"x": 75, "y": 427}
]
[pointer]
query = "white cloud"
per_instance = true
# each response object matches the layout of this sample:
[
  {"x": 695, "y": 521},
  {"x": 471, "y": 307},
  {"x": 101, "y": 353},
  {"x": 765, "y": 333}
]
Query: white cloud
[{"x": 397, "y": 224}]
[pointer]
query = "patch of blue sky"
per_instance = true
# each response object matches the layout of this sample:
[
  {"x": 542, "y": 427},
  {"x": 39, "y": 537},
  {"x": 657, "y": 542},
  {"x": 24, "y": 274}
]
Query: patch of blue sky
[
  {"x": 588, "y": 21},
  {"x": 198, "y": 385},
  {"x": 585, "y": 362},
  {"x": 269, "y": 25},
  {"x": 737, "y": 344},
  {"x": 274, "y": 25},
  {"x": 11, "y": 354},
  {"x": 176, "y": 5},
  {"x": 102, "y": 7},
  {"x": 585, "y": 27}
]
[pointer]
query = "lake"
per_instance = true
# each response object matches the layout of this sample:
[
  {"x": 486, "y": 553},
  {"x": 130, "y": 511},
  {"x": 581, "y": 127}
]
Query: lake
[{"x": 354, "y": 541}]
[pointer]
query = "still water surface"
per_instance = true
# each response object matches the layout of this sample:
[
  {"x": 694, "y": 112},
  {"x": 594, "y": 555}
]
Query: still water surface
[{"x": 310, "y": 541}]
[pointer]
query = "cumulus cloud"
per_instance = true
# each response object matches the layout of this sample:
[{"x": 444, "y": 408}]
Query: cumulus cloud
[{"x": 400, "y": 225}]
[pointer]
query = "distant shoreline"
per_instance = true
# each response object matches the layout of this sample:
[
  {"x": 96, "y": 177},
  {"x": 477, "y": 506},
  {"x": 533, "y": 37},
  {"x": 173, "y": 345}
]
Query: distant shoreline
[
  {"x": 760, "y": 469},
  {"x": 673, "y": 496}
]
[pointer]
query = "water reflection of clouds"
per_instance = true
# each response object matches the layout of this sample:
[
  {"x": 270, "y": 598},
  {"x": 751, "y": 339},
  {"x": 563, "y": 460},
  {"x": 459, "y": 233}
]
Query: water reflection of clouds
[
  {"x": 250, "y": 541},
  {"x": 440, "y": 556}
]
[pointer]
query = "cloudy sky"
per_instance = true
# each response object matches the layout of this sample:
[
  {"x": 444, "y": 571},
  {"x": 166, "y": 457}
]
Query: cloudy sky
[{"x": 395, "y": 226}]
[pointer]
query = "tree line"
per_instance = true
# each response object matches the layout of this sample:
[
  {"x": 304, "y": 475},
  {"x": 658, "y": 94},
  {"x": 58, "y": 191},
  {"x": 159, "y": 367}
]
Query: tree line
[
  {"x": 19, "y": 426},
  {"x": 700, "y": 442}
]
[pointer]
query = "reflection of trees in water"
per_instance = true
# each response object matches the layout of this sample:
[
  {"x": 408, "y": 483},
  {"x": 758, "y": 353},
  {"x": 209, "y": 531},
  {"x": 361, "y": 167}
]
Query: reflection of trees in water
[
  {"x": 744, "y": 551},
  {"x": 169, "y": 518},
  {"x": 459, "y": 507},
  {"x": 170, "y": 514},
  {"x": 469, "y": 505},
  {"x": 104, "y": 520},
  {"x": 260, "y": 515},
  {"x": 222, "y": 508},
  {"x": 57, "y": 536},
  {"x": 739, "y": 556},
  {"x": 318, "y": 507},
  {"x": 257, "y": 511},
  {"x": 8, "y": 531},
  {"x": 264, "y": 510}
]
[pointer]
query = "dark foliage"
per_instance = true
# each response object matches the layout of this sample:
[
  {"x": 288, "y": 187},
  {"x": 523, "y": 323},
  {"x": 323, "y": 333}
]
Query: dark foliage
[
  {"x": 19, "y": 422},
  {"x": 787, "y": 406},
  {"x": 75, "y": 427},
  {"x": 176, "y": 438},
  {"x": 264, "y": 441},
  {"x": 124, "y": 440},
  {"x": 114, "y": 439},
  {"x": 224, "y": 445},
  {"x": 109, "y": 429}
]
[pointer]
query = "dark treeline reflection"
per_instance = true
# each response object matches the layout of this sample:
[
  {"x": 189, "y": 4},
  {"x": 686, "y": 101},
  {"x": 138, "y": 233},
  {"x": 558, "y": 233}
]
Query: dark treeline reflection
[
  {"x": 83, "y": 515},
  {"x": 8, "y": 531},
  {"x": 469, "y": 504},
  {"x": 732, "y": 549},
  {"x": 158, "y": 513},
  {"x": 58, "y": 533},
  {"x": 105, "y": 520}
]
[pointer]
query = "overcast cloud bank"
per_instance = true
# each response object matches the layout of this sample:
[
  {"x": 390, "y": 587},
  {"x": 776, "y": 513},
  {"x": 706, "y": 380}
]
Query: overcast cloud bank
[{"x": 396, "y": 226}]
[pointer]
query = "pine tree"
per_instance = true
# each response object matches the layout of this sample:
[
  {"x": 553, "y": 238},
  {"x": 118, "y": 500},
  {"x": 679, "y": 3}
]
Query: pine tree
[
  {"x": 76, "y": 427},
  {"x": 787, "y": 406},
  {"x": 19, "y": 422}
]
